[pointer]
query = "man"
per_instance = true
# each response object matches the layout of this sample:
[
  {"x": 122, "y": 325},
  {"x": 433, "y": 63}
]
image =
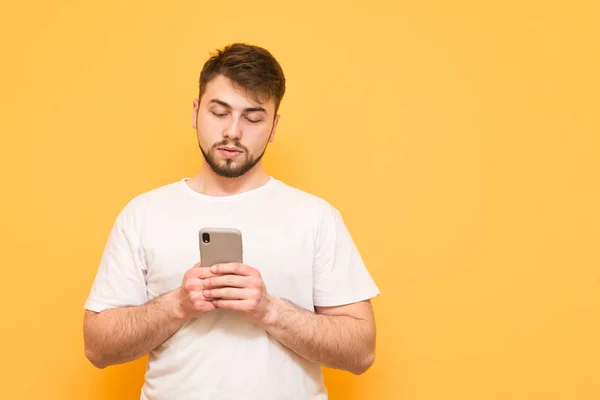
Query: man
[{"x": 258, "y": 330}]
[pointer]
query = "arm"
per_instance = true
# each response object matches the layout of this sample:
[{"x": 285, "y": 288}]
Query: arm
[
  {"x": 338, "y": 337},
  {"x": 125, "y": 334}
]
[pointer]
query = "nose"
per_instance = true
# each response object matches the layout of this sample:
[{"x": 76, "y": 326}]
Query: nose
[{"x": 233, "y": 130}]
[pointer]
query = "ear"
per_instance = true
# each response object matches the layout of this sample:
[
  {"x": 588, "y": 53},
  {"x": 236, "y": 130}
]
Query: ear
[
  {"x": 195, "y": 114},
  {"x": 272, "y": 137}
]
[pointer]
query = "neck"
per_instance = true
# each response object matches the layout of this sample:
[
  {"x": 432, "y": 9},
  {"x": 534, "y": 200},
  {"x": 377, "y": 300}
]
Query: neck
[{"x": 211, "y": 184}]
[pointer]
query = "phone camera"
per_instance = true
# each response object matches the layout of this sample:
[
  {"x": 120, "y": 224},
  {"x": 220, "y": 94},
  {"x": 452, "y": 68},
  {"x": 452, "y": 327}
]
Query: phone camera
[{"x": 206, "y": 237}]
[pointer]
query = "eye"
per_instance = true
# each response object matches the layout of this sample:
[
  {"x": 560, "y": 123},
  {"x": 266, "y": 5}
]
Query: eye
[
  {"x": 253, "y": 121},
  {"x": 218, "y": 115}
]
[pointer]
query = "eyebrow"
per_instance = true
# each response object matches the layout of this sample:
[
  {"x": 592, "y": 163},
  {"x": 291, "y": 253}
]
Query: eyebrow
[{"x": 247, "y": 109}]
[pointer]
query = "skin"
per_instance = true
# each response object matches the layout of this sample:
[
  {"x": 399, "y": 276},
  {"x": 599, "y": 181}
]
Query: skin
[{"x": 341, "y": 337}]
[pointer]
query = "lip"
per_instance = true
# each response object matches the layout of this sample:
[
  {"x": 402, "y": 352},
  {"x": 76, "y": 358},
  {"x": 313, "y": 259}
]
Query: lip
[
  {"x": 229, "y": 152},
  {"x": 230, "y": 149}
]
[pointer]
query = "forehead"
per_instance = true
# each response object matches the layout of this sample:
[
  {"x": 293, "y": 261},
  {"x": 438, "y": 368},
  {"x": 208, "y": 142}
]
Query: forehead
[{"x": 223, "y": 89}]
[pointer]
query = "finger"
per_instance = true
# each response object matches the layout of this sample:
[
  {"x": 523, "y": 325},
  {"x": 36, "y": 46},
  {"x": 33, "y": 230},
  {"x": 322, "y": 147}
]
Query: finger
[
  {"x": 233, "y": 268},
  {"x": 227, "y": 281},
  {"x": 191, "y": 285},
  {"x": 195, "y": 285},
  {"x": 236, "y": 305},
  {"x": 200, "y": 273},
  {"x": 197, "y": 297},
  {"x": 226, "y": 293}
]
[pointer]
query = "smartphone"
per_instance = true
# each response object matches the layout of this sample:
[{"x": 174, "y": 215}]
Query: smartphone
[{"x": 219, "y": 246}]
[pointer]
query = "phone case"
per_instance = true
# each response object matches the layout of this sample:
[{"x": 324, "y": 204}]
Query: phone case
[{"x": 225, "y": 246}]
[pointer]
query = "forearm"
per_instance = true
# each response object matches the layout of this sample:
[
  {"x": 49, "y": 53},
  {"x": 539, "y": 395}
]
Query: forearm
[
  {"x": 340, "y": 342},
  {"x": 124, "y": 334}
]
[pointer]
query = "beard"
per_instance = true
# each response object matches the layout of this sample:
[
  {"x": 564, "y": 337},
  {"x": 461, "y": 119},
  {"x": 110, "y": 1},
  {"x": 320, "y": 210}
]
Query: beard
[{"x": 230, "y": 168}]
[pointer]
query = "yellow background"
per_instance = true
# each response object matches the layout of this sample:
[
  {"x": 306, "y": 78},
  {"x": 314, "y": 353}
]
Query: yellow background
[{"x": 459, "y": 139}]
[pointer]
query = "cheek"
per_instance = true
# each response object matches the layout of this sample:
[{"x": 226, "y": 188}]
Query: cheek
[
  {"x": 259, "y": 134},
  {"x": 255, "y": 139},
  {"x": 208, "y": 129}
]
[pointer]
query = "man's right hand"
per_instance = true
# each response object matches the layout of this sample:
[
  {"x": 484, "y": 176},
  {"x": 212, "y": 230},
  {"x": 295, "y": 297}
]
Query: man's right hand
[
  {"x": 123, "y": 334},
  {"x": 192, "y": 302}
]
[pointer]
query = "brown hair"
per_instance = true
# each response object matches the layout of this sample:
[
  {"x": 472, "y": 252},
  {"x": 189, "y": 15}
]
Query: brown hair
[{"x": 251, "y": 67}]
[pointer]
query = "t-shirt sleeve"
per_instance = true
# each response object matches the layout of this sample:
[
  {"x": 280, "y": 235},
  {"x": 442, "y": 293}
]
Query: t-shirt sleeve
[
  {"x": 120, "y": 279},
  {"x": 340, "y": 275}
]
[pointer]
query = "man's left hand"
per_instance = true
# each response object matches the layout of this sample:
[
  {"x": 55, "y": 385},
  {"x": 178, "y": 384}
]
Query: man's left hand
[{"x": 241, "y": 288}]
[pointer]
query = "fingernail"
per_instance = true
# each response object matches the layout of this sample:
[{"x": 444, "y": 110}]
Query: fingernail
[
  {"x": 206, "y": 292},
  {"x": 213, "y": 268}
]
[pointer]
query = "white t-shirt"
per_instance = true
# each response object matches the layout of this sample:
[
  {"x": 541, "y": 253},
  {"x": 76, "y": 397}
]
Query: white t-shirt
[{"x": 297, "y": 241}]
